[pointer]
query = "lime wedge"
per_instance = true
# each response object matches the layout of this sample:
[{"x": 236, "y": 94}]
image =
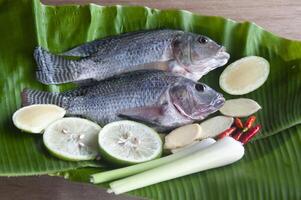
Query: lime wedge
[
  {"x": 35, "y": 118},
  {"x": 127, "y": 142},
  {"x": 72, "y": 139}
]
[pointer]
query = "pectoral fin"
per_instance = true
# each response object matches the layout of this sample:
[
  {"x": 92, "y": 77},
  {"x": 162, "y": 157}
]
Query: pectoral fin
[{"x": 151, "y": 114}]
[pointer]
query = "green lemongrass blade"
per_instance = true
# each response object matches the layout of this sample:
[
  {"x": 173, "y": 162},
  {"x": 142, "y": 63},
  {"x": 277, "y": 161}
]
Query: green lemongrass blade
[
  {"x": 269, "y": 170},
  {"x": 127, "y": 171},
  {"x": 223, "y": 152}
]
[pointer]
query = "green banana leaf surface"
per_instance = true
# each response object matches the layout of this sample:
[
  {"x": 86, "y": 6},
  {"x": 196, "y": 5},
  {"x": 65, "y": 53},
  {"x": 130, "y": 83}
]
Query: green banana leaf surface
[{"x": 272, "y": 163}]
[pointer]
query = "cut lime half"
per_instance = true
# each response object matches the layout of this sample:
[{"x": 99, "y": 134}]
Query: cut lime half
[
  {"x": 35, "y": 118},
  {"x": 72, "y": 139},
  {"x": 127, "y": 142}
]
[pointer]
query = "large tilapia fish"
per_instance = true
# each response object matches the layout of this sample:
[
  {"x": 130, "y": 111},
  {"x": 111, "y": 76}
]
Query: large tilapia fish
[
  {"x": 160, "y": 99},
  {"x": 183, "y": 53}
]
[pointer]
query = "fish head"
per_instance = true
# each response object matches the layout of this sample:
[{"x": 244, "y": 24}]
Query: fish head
[
  {"x": 195, "y": 100},
  {"x": 199, "y": 54}
]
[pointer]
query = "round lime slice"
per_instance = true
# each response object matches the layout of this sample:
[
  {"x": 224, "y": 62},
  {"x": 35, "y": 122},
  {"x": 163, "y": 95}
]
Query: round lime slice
[
  {"x": 72, "y": 139},
  {"x": 127, "y": 142}
]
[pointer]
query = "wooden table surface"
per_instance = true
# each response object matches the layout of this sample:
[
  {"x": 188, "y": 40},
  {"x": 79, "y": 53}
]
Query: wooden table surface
[{"x": 282, "y": 17}]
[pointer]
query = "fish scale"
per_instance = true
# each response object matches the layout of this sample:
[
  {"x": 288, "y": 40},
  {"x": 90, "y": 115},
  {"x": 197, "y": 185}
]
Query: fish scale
[
  {"x": 154, "y": 97},
  {"x": 133, "y": 94},
  {"x": 128, "y": 55},
  {"x": 175, "y": 51}
]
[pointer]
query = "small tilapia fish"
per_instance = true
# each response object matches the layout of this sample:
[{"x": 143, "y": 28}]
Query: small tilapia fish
[
  {"x": 160, "y": 99},
  {"x": 182, "y": 53}
]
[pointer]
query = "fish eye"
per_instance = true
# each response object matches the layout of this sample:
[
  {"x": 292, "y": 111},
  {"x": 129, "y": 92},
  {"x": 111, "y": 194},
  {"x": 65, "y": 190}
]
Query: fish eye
[
  {"x": 203, "y": 40},
  {"x": 199, "y": 87}
]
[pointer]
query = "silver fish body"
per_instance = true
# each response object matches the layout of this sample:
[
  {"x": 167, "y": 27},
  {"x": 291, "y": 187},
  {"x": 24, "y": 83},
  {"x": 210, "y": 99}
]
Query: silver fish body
[
  {"x": 182, "y": 53},
  {"x": 160, "y": 99}
]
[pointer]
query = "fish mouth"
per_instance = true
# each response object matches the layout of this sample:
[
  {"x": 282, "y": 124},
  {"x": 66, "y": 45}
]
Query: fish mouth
[
  {"x": 207, "y": 65},
  {"x": 213, "y": 106},
  {"x": 218, "y": 102},
  {"x": 222, "y": 56},
  {"x": 222, "y": 49}
]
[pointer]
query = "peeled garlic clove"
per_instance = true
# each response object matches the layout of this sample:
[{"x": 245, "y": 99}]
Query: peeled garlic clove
[
  {"x": 182, "y": 136},
  {"x": 241, "y": 107},
  {"x": 216, "y": 125}
]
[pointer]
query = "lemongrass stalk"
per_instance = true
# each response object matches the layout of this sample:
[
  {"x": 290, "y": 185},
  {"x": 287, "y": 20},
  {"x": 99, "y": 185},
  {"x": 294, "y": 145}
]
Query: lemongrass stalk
[
  {"x": 134, "y": 169},
  {"x": 223, "y": 152}
]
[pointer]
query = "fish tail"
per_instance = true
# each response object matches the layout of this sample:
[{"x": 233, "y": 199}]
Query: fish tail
[
  {"x": 30, "y": 96},
  {"x": 54, "y": 69}
]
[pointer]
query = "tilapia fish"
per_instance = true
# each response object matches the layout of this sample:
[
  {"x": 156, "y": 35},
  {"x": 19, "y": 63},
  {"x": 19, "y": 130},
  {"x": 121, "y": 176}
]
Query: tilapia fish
[
  {"x": 157, "y": 98},
  {"x": 183, "y": 53}
]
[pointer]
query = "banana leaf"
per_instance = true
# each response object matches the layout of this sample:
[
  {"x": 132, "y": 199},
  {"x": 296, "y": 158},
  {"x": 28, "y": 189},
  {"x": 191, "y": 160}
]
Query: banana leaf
[{"x": 271, "y": 166}]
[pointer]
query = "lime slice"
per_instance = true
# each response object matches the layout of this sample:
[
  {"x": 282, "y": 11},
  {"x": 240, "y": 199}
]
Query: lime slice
[
  {"x": 72, "y": 139},
  {"x": 127, "y": 142},
  {"x": 244, "y": 75},
  {"x": 35, "y": 118}
]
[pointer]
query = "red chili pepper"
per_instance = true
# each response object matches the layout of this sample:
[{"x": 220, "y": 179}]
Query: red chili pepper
[
  {"x": 238, "y": 123},
  {"x": 237, "y": 135},
  {"x": 249, "y": 123},
  {"x": 227, "y": 132},
  {"x": 250, "y": 134}
]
